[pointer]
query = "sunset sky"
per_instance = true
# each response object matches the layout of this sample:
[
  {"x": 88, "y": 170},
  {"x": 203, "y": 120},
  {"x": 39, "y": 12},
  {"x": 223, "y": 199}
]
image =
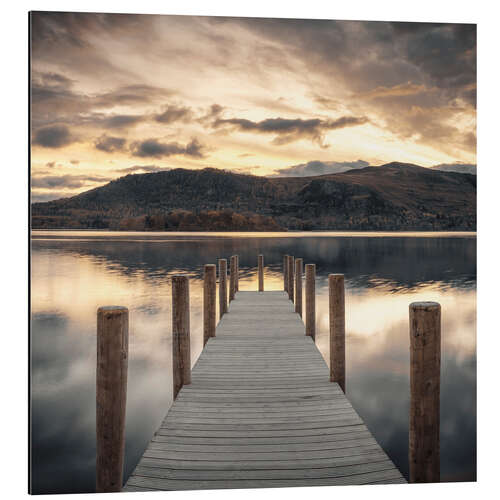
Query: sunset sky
[{"x": 118, "y": 94}]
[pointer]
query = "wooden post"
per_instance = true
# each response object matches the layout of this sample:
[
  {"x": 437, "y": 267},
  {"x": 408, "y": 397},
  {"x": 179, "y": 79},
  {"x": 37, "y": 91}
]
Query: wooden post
[
  {"x": 111, "y": 396},
  {"x": 222, "y": 287},
  {"x": 261, "y": 272},
  {"x": 425, "y": 365},
  {"x": 290, "y": 277},
  {"x": 237, "y": 272},
  {"x": 209, "y": 298},
  {"x": 337, "y": 329},
  {"x": 232, "y": 278},
  {"x": 311, "y": 300},
  {"x": 181, "y": 350},
  {"x": 285, "y": 273},
  {"x": 298, "y": 286}
]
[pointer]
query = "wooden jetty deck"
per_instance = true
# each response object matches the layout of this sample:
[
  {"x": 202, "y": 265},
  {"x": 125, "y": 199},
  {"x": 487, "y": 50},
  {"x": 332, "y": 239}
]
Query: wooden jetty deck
[{"x": 261, "y": 412}]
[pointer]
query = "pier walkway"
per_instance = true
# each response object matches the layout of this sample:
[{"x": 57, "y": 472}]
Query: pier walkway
[{"x": 261, "y": 412}]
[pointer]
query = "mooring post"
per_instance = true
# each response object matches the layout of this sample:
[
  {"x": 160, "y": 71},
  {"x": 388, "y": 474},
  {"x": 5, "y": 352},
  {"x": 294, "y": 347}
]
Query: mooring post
[
  {"x": 261, "y": 272},
  {"x": 209, "y": 298},
  {"x": 111, "y": 396},
  {"x": 311, "y": 300},
  {"x": 237, "y": 273},
  {"x": 336, "y": 309},
  {"x": 222, "y": 287},
  {"x": 425, "y": 366},
  {"x": 290, "y": 276},
  {"x": 181, "y": 350},
  {"x": 285, "y": 273},
  {"x": 232, "y": 278},
  {"x": 298, "y": 286}
]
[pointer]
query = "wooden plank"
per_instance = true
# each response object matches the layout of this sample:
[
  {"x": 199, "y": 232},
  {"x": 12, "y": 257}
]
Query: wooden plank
[{"x": 261, "y": 412}]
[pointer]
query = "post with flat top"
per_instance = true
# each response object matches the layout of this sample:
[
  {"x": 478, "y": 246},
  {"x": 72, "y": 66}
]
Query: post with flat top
[
  {"x": 209, "y": 298},
  {"x": 261, "y": 272},
  {"x": 425, "y": 367},
  {"x": 222, "y": 287},
  {"x": 232, "y": 278},
  {"x": 298, "y": 286},
  {"x": 337, "y": 328},
  {"x": 237, "y": 273},
  {"x": 290, "y": 276},
  {"x": 285, "y": 273},
  {"x": 311, "y": 300},
  {"x": 111, "y": 396},
  {"x": 181, "y": 349}
]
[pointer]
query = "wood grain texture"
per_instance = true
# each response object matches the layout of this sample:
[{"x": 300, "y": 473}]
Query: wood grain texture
[
  {"x": 290, "y": 277},
  {"x": 232, "y": 277},
  {"x": 222, "y": 288},
  {"x": 311, "y": 300},
  {"x": 237, "y": 272},
  {"x": 261, "y": 412},
  {"x": 111, "y": 396},
  {"x": 181, "y": 349},
  {"x": 298, "y": 286},
  {"x": 285, "y": 273},
  {"x": 260, "y": 267},
  {"x": 209, "y": 299},
  {"x": 425, "y": 367},
  {"x": 336, "y": 309}
]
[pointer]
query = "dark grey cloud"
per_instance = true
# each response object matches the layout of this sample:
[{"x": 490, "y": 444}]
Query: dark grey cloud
[
  {"x": 121, "y": 121},
  {"x": 288, "y": 130},
  {"x": 141, "y": 168},
  {"x": 173, "y": 113},
  {"x": 153, "y": 148},
  {"x": 110, "y": 144},
  {"x": 316, "y": 167},
  {"x": 55, "y": 136},
  {"x": 462, "y": 168},
  {"x": 65, "y": 181}
]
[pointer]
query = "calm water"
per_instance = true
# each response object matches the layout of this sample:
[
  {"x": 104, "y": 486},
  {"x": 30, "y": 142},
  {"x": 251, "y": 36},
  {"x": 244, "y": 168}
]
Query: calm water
[{"x": 75, "y": 272}]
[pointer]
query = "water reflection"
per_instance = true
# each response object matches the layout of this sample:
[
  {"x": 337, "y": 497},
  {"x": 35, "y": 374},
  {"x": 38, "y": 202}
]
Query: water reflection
[{"x": 72, "y": 276}]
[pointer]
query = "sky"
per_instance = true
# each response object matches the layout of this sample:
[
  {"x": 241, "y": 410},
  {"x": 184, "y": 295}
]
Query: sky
[{"x": 115, "y": 94}]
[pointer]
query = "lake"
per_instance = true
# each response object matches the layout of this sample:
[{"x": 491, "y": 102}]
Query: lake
[{"x": 75, "y": 272}]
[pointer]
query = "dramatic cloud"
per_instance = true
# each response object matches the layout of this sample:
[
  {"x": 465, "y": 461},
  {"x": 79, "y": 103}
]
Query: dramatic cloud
[
  {"x": 173, "y": 114},
  {"x": 312, "y": 168},
  {"x": 110, "y": 144},
  {"x": 153, "y": 148},
  {"x": 289, "y": 130},
  {"x": 56, "y": 136},
  {"x": 142, "y": 169}
]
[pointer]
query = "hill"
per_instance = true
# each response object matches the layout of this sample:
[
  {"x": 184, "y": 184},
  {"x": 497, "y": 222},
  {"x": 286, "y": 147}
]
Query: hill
[{"x": 394, "y": 196}]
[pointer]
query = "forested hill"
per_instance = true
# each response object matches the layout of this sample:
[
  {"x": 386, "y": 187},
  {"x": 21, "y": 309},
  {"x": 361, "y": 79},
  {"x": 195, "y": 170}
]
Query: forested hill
[{"x": 394, "y": 196}]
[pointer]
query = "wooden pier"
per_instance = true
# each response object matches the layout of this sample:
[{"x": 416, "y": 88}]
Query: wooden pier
[
  {"x": 261, "y": 412},
  {"x": 261, "y": 408}
]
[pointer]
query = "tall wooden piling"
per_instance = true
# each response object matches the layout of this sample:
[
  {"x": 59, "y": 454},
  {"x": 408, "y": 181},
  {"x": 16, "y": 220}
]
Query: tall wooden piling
[
  {"x": 425, "y": 366},
  {"x": 232, "y": 278},
  {"x": 285, "y": 273},
  {"x": 290, "y": 277},
  {"x": 336, "y": 309},
  {"x": 209, "y": 298},
  {"x": 261, "y": 272},
  {"x": 222, "y": 287},
  {"x": 298, "y": 286},
  {"x": 111, "y": 396},
  {"x": 237, "y": 272},
  {"x": 311, "y": 300},
  {"x": 181, "y": 350}
]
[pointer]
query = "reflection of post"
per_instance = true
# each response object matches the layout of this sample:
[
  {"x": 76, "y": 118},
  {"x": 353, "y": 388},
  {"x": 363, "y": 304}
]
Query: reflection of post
[
  {"x": 285, "y": 273},
  {"x": 311, "y": 300},
  {"x": 298, "y": 286},
  {"x": 337, "y": 329},
  {"x": 232, "y": 278},
  {"x": 111, "y": 396},
  {"x": 261, "y": 272},
  {"x": 425, "y": 365},
  {"x": 222, "y": 287},
  {"x": 209, "y": 298},
  {"x": 290, "y": 277},
  {"x": 181, "y": 350}
]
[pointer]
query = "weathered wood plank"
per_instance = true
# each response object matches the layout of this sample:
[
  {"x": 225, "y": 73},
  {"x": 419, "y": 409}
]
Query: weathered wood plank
[{"x": 261, "y": 412}]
